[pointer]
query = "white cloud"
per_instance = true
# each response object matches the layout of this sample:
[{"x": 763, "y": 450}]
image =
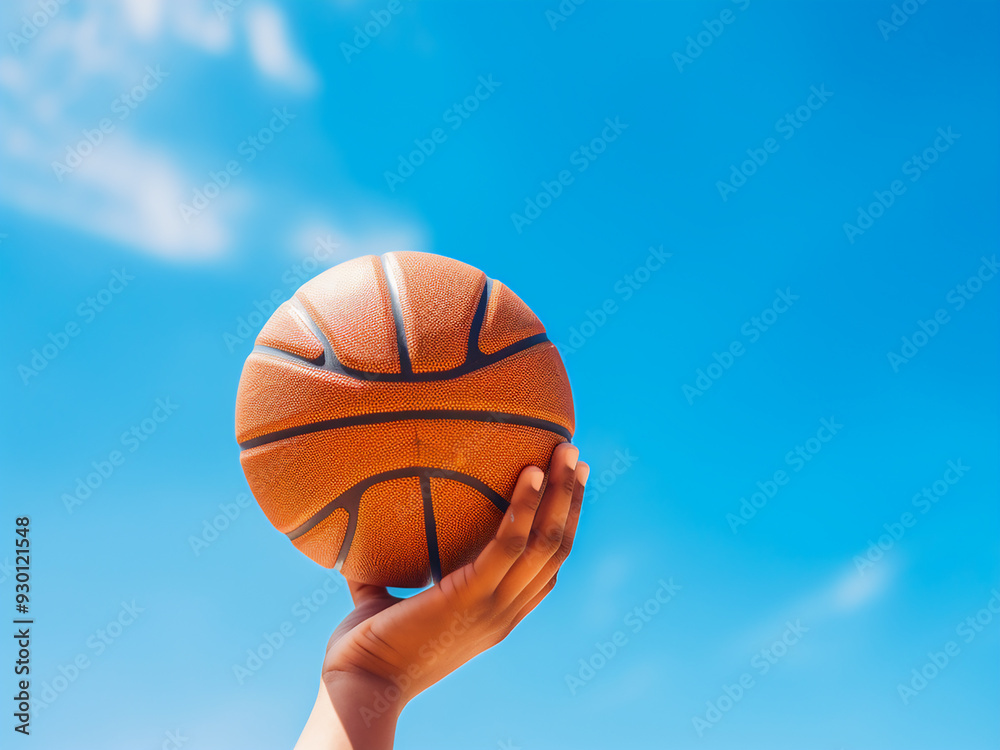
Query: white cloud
[
  {"x": 839, "y": 596},
  {"x": 139, "y": 192},
  {"x": 853, "y": 589},
  {"x": 195, "y": 23},
  {"x": 128, "y": 190},
  {"x": 190, "y": 21},
  {"x": 61, "y": 82},
  {"x": 123, "y": 191},
  {"x": 145, "y": 17},
  {"x": 272, "y": 51}
]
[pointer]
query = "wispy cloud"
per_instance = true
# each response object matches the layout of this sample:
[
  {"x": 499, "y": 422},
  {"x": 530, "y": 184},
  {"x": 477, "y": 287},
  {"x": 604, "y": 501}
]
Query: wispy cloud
[
  {"x": 129, "y": 193},
  {"x": 842, "y": 595},
  {"x": 272, "y": 50},
  {"x": 189, "y": 21},
  {"x": 125, "y": 189}
]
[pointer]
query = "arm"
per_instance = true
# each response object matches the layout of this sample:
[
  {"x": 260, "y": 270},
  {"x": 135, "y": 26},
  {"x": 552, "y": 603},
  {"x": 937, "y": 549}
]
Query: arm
[{"x": 388, "y": 650}]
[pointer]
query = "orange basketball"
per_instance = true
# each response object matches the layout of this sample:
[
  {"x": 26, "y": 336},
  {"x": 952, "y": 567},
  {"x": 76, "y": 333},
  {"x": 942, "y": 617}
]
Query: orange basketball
[{"x": 387, "y": 408}]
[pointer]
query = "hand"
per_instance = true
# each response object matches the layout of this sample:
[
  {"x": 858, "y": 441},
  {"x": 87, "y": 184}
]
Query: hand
[{"x": 388, "y": 649}]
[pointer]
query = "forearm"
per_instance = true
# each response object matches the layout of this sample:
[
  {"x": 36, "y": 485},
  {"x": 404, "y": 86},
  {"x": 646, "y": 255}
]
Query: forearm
[{"x": 351, "y": 712}]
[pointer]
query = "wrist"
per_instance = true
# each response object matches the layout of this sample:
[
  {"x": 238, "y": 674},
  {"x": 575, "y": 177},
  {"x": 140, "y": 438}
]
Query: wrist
[
  {"x": 352, "y": 711},
  {"x": 365, "y": 697}
]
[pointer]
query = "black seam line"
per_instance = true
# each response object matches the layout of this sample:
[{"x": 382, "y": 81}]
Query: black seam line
[
  {"x": 472, "y": 350},
  {"x": 333, "y": 365},
  {"x": 402, "y": 416},
  {"x": 328, "y": 360},
  {"x": 350, "y": 500},
  {"x": 397, "y": 316},
  {"x": 430, "y": 530},
  {"x": 296, "y": 310}
]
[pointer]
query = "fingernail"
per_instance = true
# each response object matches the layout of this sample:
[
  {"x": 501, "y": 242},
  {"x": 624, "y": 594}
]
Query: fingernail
[
  {"x": 572, "y": 457},
  {"x": 536, "y": 480},
  {"x": 582, "y": 474}
]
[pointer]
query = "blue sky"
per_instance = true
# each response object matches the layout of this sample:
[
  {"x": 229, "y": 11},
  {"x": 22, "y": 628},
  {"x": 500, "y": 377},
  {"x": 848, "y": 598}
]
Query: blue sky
[{"x": 738, "y": 155}]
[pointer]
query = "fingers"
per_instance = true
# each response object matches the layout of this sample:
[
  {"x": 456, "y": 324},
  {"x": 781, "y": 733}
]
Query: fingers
[
  {"x": 536, "y": 534},
  {"x": 551, "y": 567},
  {"x": 573, "y": 519},
  {"x": 533, "y": 602},
  {"x": 549, "y": 527},
  {"x": 512, "y": 535},
  {"x": 363, "y": 592}
]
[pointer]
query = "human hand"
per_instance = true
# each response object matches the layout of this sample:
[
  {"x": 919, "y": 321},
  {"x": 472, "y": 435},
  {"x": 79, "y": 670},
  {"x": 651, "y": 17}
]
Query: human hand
[{"x": 388, "y": 649}]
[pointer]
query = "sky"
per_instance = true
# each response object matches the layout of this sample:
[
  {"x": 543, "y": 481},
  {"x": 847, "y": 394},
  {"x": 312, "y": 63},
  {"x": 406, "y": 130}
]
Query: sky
[{"x": 763, "y": 234}]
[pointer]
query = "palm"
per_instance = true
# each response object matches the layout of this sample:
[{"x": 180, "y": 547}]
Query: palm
[{"x": 383, "y": 633}]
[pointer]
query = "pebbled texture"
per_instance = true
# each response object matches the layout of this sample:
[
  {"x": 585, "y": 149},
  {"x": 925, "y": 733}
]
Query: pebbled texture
[{"x": 294, "y": 478}]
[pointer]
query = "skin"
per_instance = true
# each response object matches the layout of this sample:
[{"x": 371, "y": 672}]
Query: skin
[{"x": 388, "y": 650}]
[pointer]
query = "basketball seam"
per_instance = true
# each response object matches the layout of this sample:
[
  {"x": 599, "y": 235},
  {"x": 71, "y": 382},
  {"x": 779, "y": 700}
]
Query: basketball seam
[
  {"x": 405, "y": 366},
  {"x": 350, "y": 500},
  {"x": 463, "y": 415},
  {"x": 296, "y": 310},
  {"x": 472, "y": 349},
  {"x": 296, "y": 305},
  {"x": 474, "y": 359},
  {"x": 407, "y": 471},
  {"x": 335, "y": 366},
  {"x": 430, "y": 530}
]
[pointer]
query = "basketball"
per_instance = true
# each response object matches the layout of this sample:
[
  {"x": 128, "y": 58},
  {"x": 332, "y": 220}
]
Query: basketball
[{"x": 387, "y": 409}]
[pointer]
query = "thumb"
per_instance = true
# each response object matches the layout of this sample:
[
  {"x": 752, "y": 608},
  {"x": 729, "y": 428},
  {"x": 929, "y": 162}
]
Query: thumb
[{"x": 365, "y": 592}]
